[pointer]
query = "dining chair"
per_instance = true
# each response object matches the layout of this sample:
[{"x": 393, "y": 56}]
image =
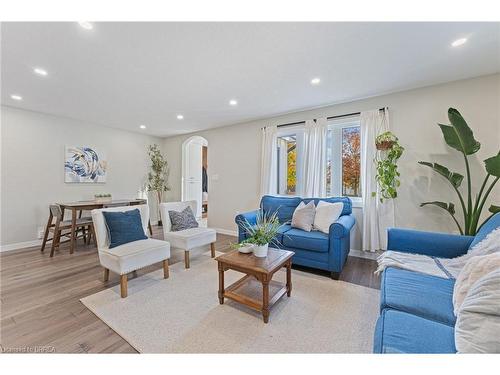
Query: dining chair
[{"x": 62, "y": 228}]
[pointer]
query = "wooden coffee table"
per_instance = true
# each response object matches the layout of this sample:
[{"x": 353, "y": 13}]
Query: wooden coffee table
[{"x": 256, "y": 290}]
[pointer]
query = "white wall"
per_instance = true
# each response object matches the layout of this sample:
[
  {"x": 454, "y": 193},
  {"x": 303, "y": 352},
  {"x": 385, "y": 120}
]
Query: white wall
[
  {"x": 234, "y": 151},
  {"x": 33, "y": 167}
]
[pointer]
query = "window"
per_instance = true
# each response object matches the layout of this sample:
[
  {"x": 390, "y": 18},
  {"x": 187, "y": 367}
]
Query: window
[
  {"x": 287, "y": 165},
  {"x": 343, "y": 174},
  {"x": 289, "y": 173}
]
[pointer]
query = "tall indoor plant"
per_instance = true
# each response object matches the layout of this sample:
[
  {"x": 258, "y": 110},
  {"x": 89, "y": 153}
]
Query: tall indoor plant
[
  {"x": 459, "y": 136},
  {"x": 158, "y": 175}
]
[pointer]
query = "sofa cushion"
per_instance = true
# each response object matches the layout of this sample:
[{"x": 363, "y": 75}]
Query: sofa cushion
[
  {"x": 489, "y": 226},
  {"x": 284, "y": 205},
  {"x": 427, "y": 296},
  {"x": 134, "y": 255},
  {"x": 281, "y": 232},
  {"x": 400, "y": 332},
  {"x": 313, "y": 241},
  {"x": 191, "y": 238}
]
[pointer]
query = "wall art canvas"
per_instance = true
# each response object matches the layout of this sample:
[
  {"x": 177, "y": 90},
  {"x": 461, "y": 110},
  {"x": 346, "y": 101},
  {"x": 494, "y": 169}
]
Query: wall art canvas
[{"x": 84, "y": 164}]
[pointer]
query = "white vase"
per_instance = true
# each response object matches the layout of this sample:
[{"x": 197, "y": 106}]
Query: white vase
[{"x": 260, "y": 251}]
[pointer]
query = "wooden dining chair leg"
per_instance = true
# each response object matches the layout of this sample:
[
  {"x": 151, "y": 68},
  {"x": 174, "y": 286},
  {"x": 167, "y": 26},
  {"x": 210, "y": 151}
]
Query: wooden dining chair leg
[
  {"x": 47, "y": 230},
  {"x": 212, "y": 249},
  {"x": 123, "y": 286},
  {"x": 150, "y": 228},
  {"x": 84, "y": 234},
  {"x": 92, "y": 234},
  {"x": 56, "y": 238},
  {"x": 55, "y": 241}
]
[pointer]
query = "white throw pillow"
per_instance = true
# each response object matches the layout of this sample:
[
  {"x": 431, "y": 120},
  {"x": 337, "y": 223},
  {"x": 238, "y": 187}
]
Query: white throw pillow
[
  {"x": 475, "y": 268},
  {"x": 477, "y": 329},
  {"x": 303, "y": 216},
  {"x": 326, "y": 214}
]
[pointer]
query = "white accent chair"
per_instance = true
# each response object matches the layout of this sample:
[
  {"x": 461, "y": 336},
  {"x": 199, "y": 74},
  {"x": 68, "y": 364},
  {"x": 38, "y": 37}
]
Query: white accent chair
[
  {"x": 132, "y": 256},
  {"x": 187, "y": 239}
]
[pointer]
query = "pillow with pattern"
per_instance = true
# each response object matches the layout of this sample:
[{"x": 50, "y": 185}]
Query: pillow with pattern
[{"x": 182, "y": 220}]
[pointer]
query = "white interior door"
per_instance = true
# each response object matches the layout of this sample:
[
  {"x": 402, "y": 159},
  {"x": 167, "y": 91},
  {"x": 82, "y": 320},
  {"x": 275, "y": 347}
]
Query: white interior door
[{"x": 192, "y": 177}]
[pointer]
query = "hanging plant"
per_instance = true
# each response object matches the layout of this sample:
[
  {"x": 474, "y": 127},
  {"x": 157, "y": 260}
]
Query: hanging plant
[{"x": 388, "y": 152}]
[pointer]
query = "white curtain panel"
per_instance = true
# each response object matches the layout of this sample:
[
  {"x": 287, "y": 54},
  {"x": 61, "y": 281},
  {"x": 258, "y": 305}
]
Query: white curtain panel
[
  {"x": 377, "y": 216},
  {"x": 269, "y": 161},
  {"x": 314, "y": 158}
]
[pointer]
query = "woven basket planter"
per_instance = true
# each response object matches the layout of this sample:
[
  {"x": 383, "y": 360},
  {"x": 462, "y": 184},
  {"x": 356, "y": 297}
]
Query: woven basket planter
[{"x": 384, "y": 145}]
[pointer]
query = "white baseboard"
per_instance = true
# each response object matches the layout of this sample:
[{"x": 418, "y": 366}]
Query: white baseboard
[
  {"x": 363, "y": 254},
  {"x": 26, "y": 244},
  {"x": 227, "y": 232},
  {"x": 20, "y": 245}
]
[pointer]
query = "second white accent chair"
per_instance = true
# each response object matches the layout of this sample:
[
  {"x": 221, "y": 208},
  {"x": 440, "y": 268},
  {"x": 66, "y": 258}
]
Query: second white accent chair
[
  {"x": 131, "y": 256},
  {"x": 188, "y": 239}
]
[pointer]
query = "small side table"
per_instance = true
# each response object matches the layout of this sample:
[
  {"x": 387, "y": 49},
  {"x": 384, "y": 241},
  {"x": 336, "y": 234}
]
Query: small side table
[{"x": 256, "y": 289}]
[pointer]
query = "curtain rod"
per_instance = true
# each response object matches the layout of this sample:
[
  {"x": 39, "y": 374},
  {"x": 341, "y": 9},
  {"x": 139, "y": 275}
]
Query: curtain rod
[{"x": 328, "y": 118}]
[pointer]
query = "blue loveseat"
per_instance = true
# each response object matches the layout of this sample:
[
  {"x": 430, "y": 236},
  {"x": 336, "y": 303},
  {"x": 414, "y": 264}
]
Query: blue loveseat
[
  {"x": 416, "y": 310},
  {"x": 312, "y": 249}
]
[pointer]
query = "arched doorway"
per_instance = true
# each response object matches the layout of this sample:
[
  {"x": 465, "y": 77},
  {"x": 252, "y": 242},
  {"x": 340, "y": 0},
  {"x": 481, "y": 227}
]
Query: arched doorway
[{"x": 194, "y": 174}]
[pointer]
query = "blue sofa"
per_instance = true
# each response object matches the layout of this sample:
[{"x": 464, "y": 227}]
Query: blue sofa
[
  {"x": 416, "y": 310},
  {"x": 312, "y": 249}
]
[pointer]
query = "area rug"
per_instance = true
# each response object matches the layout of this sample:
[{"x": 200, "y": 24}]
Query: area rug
[{"x": 182, "y": 314}]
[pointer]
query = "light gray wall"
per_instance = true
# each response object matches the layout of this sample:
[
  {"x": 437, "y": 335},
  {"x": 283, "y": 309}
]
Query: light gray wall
[
  {"x": 234, "y": 151},
  {"x": 33, "y": 167}
]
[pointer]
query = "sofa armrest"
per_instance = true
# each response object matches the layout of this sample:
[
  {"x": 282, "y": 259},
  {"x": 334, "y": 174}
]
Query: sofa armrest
[
  {"x": 342, "y": 227},
  {"x": 250, "y": 217},
  {"x": 442, "y": 245}
]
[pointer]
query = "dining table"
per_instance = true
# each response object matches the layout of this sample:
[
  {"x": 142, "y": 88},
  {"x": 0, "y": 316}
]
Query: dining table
[{"x": 80, "y": 206}]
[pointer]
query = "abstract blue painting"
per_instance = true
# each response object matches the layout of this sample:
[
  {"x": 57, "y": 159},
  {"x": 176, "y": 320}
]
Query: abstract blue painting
[{"x": 84, "y": 164}]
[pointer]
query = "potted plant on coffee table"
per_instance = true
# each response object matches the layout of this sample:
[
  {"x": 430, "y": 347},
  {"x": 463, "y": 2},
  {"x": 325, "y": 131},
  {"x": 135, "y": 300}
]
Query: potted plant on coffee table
[{"x": 262, "y": 233}]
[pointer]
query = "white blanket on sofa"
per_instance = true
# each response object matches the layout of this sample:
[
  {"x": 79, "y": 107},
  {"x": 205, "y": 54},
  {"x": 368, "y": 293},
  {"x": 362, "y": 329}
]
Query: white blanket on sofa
[{"x": 441, "y": 267}]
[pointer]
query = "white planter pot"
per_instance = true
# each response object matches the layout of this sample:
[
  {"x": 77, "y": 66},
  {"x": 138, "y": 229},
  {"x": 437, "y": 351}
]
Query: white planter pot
[
  {"x": 260, "y": 251},
  {"x": 246, "y": 249}
]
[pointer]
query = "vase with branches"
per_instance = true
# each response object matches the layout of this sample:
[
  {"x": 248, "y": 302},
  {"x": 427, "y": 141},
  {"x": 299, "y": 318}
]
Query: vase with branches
[
  {"x": 158, "y": 175},
  {"x": 459, "y": 136}
]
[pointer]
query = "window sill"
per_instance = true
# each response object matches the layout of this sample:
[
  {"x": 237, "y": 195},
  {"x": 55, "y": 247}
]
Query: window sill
[{"x": 357, "y": 202}]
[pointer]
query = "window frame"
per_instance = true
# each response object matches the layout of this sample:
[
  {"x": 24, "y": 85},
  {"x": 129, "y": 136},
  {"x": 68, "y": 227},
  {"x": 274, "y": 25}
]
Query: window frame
[
  {"x": 334, "y": 152},
  {"x": 298, "y": 133}
]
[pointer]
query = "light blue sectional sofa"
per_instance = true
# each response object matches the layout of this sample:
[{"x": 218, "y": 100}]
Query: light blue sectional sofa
[
  {"x": 312, "y": 249},
  {"x": 416, "y": 310}
]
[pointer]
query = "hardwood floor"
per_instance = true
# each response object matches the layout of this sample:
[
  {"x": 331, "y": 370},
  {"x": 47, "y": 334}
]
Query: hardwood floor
[{"x": 40, "y": 297}]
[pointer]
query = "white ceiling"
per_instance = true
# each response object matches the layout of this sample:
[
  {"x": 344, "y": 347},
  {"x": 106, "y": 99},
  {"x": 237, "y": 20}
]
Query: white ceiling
[{"x": 126, "y": 74}]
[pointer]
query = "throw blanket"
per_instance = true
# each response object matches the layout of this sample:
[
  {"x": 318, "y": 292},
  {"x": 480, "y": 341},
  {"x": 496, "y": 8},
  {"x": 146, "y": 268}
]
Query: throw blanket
[{"x": 441, "y": 267}]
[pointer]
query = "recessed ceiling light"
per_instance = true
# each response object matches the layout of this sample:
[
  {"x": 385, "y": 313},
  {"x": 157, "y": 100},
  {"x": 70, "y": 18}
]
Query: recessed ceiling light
[
  {"x": 315, "y": 81},
  {"x": 142, "y": 126},
  {"x": 40, "y": 71},
  {"x": 180, "y": 117},
  {"x": 459, "y": 42},
  {"x": 233, "y": 102},
  {"x": 86, "y": 25},
  {"x": 16, "y": 97}
]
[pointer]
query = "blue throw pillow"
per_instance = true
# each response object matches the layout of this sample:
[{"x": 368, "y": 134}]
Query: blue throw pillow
[{"x": 124, "y": 227}]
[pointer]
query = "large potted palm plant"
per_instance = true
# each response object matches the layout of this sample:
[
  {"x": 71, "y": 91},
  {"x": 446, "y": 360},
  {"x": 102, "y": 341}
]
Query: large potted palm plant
[
  {"x": 158, "y": 175},
  {"x": 460, "y": 137}
]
